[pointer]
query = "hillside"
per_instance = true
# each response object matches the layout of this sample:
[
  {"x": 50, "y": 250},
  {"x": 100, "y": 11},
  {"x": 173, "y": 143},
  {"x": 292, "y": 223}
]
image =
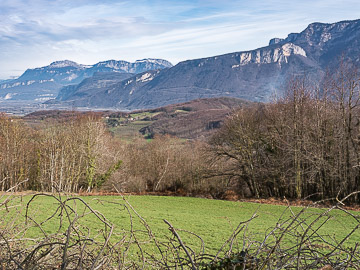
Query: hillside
[{"x": 196, "y": 119}]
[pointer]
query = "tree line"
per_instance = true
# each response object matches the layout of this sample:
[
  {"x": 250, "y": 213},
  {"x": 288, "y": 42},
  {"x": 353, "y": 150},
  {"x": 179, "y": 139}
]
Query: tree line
[
  {"x": 303, "y": 145},
  {"x": 59, "y": 156},
  {"x": 80, "y": 155}
]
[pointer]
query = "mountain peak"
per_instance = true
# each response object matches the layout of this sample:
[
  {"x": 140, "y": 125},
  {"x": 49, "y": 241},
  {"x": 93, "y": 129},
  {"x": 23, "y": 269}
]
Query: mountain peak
[
  {"x": 319, "y": 33},
  {"x": 162, "y": 62},
  {"x": 275, "y": 41},
  {"x": 121, "y": 64},
  {"x": 64, "y": 63}
]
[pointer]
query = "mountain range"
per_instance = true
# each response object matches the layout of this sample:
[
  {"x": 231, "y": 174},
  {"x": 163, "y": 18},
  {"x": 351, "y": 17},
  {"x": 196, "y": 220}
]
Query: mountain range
[
  {"x": 254, "y": 75},
  {"x": 44, "y": 83}
]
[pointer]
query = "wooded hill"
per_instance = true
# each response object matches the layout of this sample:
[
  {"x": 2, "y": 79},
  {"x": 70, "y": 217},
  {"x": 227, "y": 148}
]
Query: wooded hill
[{"x": 196, "y": 119}]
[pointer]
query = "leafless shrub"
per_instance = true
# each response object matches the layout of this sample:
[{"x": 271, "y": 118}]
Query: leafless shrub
[{"x": 165, "y": 164}]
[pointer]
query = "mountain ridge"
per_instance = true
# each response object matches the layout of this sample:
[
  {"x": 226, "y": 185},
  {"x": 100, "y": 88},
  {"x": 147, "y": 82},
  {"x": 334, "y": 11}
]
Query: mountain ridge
[
  {"x": 45, "y": 82},
  {"x": 255, "y": 75}
]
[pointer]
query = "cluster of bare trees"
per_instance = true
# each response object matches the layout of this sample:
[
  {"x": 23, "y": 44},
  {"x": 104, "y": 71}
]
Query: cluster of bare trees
[
  {"x": 56, "y": 156},
  {"x": 305, "y": 144},
  {"x": 79, "y": 154},
  {"x": 165, "y": 164}
]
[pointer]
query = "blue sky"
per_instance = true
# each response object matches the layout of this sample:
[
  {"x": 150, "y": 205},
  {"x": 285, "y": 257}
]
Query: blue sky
[{"x": 35, "y": 33}]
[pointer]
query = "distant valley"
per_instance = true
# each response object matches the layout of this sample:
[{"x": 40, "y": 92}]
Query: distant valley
[{"x": 197, "y": 119}]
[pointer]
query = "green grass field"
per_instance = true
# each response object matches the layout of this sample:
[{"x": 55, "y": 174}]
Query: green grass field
[
  {"x": 144, "y": 114},
  {"x": 213, "y": 220},
  {"x": 129, "y": 131}
]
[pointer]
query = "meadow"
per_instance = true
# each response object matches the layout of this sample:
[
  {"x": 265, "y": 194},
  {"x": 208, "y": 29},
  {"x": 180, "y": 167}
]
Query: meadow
[{"x": 136, "y": 224}]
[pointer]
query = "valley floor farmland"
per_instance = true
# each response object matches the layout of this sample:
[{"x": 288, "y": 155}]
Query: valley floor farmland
[{"x": 136, "y": 227}]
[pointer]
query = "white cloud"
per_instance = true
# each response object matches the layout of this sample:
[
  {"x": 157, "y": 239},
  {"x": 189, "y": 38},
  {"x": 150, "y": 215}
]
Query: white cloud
[{"x": 36, "y": 32}]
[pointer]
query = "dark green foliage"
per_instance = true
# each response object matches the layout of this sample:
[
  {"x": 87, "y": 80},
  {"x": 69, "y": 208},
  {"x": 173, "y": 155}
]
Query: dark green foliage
[{"x": 101, "y": 179}]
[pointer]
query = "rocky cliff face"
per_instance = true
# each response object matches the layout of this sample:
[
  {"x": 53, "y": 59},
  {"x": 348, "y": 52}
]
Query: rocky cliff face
[
  {"x": 270, "y": 55},
  {"x": 275, "y": 41},
  {"x": 326, "y": 43}
]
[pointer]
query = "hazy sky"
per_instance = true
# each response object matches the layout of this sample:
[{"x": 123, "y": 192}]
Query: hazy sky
[{"x": 34, "y": 33}]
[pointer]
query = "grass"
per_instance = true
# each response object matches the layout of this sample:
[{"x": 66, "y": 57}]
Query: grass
[
  {"x": 181, "y": 111},
  {"x": 213, "y": 220},
  {"x": 130, "y": 130},
  {"x": 144, "y": 114}
]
